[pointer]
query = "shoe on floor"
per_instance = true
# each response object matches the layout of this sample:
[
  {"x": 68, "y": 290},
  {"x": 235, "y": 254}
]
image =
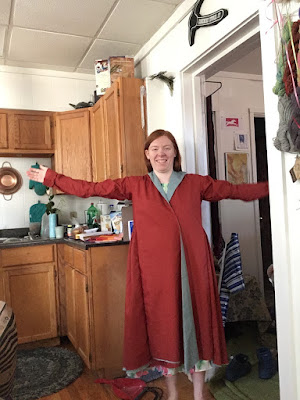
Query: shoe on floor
[
  {"x": 267, "y": 366},
  {"x": 239, "y": 366}
]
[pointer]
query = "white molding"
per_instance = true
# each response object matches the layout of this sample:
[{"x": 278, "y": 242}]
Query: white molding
[
  {"x": 46, "y": 72},
  {"x": 256, "y": 112},
  {"x": 237, "y": 75},
  {"x": 239, "y": 35},
  {"x": 287, "y": 312}
]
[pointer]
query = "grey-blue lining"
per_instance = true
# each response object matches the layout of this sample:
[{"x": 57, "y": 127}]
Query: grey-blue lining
[{"x": 191, "y": 355}]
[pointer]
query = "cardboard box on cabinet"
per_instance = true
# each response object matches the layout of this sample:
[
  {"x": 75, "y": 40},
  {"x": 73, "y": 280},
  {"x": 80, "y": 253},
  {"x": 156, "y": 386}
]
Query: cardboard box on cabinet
[{"x": 107, "y": 71}]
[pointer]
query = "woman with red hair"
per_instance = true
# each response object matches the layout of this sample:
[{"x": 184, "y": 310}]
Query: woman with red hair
[{"x": 172, "y": 314}]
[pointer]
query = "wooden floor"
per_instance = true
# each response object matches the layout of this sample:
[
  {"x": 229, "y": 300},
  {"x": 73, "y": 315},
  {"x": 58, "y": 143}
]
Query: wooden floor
[{"x": 85, "y": 388}]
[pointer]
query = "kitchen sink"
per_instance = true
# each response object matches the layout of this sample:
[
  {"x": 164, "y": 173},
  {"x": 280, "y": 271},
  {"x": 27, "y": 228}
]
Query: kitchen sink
[{"x": 25, "y": 239}]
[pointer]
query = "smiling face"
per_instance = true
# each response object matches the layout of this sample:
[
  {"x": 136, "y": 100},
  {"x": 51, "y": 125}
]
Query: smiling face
[{"x": 161, "y": 154}]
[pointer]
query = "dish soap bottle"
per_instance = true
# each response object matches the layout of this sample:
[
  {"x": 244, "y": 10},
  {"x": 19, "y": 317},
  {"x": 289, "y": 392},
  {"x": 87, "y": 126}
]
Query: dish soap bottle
[{"x": 92, "y": 216}]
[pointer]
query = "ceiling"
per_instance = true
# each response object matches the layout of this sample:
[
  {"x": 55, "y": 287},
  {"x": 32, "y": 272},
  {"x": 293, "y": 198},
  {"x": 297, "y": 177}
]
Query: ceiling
[{"x": 69, "y": 35}]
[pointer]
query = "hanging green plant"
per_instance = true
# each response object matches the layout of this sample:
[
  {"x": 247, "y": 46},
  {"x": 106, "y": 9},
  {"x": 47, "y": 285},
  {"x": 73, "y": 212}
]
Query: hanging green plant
[
  {"x": 169, "y": 80},
  {"x": 50, "y": 209}
]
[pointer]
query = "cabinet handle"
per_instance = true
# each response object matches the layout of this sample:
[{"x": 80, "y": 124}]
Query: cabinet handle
[{"x": 142, "y": 94}]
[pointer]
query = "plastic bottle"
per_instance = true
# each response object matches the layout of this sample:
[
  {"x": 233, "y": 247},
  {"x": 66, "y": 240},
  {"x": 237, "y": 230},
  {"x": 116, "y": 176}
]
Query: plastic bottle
[{"x": 92, "y": 216}]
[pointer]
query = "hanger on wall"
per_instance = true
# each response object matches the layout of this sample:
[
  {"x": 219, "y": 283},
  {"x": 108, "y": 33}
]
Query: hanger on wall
[{"x": 220, "y": 83}]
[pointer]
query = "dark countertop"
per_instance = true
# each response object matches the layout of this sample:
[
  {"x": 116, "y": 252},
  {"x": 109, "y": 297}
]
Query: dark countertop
[
  {"x": 18, "y": 233},
  {"x": 71, "y": 242}
]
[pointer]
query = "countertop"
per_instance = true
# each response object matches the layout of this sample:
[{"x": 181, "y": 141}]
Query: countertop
[
  {"x": 21, "y": 232},
  {"x": 71, "y": 242}
]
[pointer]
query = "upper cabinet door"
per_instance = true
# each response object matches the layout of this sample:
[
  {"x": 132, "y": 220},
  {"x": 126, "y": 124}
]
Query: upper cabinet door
[
  {"x": 132, "y": 126},
  {"x": 112, "y": 132},
  {"x": 3, "y": 131},
  {"x": 73, "y": 156},
  {"x": 98, "y": 142},
  {"x": 32, "y": 131}
]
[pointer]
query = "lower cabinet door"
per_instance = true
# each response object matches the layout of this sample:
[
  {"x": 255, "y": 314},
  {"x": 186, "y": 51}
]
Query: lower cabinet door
[
  {"x": 78, "y": 312},
  {"x": 70, "y": 304},
  {"x": 82, "y": 317},
  {"x": 30, "y": 291}
]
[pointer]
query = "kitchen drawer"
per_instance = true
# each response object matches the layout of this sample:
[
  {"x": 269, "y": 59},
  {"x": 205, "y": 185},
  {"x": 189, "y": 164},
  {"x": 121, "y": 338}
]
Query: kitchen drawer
[
  {"x": 68, "y": 254},
  {"x": 80, "y": 260},
  {"x": 27, "y": 255}
]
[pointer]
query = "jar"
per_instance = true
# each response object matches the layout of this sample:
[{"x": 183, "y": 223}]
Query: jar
[{"x": 69, "y": 231}]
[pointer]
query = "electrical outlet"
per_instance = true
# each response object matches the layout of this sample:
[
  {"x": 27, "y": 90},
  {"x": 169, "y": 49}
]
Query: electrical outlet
[{"x": 73, "y": 214}]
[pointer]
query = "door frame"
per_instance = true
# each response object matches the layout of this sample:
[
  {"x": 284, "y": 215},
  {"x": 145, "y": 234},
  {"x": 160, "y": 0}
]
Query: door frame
[
  {"x": 192, "y": 78},
  {"x": 256, "y": 112}
]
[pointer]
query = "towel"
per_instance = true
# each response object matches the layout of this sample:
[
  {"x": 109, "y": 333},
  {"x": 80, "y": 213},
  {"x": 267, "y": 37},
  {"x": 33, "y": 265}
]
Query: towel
[{"x": 232, "y": 278}]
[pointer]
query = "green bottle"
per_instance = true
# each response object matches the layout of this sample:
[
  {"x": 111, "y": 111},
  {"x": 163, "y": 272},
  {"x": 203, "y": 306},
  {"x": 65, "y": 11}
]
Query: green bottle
[{"x": 92, "y": 216}]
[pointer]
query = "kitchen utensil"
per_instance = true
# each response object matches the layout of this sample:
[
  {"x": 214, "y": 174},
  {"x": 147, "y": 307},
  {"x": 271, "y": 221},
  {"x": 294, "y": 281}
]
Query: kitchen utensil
[
  {"x": 10, "y": 180},
  {"x": 59, "y": 232}
]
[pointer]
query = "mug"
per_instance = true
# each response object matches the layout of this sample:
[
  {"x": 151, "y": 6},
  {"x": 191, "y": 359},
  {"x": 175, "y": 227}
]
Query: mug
[{"x": 59, "y": 232}]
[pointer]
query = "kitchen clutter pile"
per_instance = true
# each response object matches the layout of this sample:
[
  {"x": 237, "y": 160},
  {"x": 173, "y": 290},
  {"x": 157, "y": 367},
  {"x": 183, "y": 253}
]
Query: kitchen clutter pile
[{"x": 104, "y": 223}]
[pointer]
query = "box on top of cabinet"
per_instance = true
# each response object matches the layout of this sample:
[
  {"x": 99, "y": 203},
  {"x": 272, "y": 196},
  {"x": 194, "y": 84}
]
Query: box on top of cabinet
[
  {"x": 107, "y": 71},
  {"x": 121, "y": 66}
]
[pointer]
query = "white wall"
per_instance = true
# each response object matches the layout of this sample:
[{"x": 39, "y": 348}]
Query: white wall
[
  {"x": 238, "y": 94},
  {"x": 169, "y": 50},
  {"x": 285, "y": 217},
  {"x": 33, "y": 89}
]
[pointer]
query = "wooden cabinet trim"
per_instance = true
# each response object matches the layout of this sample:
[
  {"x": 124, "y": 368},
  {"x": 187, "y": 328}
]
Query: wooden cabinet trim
[
  {"x": 28, "y": 255},
  {"x": 80, "y": 260},
  {"x": 3, "y": 131},
  {"x": 36, "y": 318}
]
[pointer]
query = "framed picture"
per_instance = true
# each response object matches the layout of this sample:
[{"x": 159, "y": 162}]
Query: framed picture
[
  {"x": 231, "y": 123},
  {"x": 236, "y": 167},
  {"x": 241, "y": 141}
]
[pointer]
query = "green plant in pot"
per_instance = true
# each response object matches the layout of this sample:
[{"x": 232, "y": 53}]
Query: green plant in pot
[
  {"x": 50, "y": 209},
  {"x": 51, "y": 212}
]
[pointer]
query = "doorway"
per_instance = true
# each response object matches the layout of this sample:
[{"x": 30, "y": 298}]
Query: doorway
[
  {"x": 264, "y": 205},
  {"x": 285, "y": 253}
]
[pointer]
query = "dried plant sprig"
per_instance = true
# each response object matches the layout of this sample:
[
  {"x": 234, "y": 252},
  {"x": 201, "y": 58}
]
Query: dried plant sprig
[{"x": 169, "y": 80}]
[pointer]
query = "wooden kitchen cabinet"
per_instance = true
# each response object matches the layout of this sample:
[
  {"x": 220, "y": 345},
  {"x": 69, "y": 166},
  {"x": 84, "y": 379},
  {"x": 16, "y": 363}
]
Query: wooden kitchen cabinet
[
  {"x": 28, "y": 282},
  {"x": 3, "y": 131},
  {"x": 108, "y": 280},
  {"x": 94, "y": 295},
  {"x": 98, "y": 138},
  {"x": 26, "y": 133},
  {"x": 77, "y": 302},
  {"x": 124, "y": 130},
  {"x": 73, "y": 154}
]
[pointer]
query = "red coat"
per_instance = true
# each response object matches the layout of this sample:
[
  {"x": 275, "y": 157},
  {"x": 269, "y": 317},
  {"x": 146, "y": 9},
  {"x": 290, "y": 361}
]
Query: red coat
[{"x": 153, "y": 314}]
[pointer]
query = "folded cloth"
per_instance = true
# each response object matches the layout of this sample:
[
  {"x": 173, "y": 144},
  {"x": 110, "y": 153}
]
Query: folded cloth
[{"x": 232, "y": 280}]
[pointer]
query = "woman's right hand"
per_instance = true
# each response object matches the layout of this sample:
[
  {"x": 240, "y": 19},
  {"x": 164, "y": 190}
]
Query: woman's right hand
[{"x": 37, "y": 174}]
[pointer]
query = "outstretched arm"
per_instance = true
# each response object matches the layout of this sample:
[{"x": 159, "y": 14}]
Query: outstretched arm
[
  {"x": 215, "y": 190},
  {"x": 113, "y": 189}
]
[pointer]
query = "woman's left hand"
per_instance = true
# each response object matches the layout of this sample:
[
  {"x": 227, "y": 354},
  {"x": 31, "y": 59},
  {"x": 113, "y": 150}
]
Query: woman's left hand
[{"x": 37, "y": 174}]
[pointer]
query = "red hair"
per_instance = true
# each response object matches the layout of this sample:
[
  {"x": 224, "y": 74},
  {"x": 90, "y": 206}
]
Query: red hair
[{"x": 155, "y": 135}]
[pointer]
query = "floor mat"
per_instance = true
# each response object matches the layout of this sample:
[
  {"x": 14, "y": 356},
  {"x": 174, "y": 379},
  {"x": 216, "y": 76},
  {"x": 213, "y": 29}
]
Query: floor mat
[{"x": 249, "y": 387}]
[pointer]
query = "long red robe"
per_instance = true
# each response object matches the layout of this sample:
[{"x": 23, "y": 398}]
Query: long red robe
[{"x": 153, "y": 312}]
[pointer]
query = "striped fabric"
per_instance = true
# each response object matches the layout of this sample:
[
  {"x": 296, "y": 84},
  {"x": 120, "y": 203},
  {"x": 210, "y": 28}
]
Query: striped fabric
[
  {"x": 232, "y": 280},
  {"x": 8, "y": 345}
]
